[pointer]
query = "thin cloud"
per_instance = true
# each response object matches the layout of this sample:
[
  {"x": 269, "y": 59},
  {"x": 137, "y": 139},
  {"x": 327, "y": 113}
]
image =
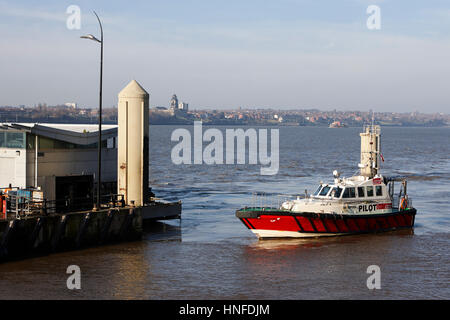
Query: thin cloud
[
  {"x": 59, "y": 15},
  {"x": 29, "y": 13}
]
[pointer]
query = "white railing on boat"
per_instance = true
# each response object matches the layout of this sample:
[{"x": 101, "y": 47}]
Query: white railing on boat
[{"x": 264, "y": 200}]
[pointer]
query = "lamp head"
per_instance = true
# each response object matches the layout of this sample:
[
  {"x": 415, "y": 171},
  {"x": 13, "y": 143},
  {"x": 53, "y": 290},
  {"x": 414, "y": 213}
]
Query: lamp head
[{"x": 90, "y": 37}]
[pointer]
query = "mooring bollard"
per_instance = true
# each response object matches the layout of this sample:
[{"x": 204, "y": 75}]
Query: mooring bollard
[
  {"x": 5, "y": 239},
  {"x": 126, "y": 224},
  {"x": 106, "y": 226},
  {"x": 59, "y": 231},
  {"x": 34, "y": 235},
  {"x": 81, "y": 229}
]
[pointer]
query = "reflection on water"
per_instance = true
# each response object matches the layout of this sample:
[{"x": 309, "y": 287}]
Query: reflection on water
[
  {"x": 209, "y": 254},
  {"x": 162, "y": 231},
  {"x": 130, "y": 281},
  {"x": 280, "y": 244},
  {"x": 310, "y": 243}
]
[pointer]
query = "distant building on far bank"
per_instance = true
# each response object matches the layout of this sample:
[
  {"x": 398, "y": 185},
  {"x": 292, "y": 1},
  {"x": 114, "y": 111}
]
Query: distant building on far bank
[
  {"x": 174, "y": 103},
  {"x": 71, "y": 105},
  {"x": 175, "y": 106},
  {"x": 183, "y": 106}
]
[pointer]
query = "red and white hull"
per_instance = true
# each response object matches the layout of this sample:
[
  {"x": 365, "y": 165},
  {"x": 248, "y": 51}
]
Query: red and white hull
[
  {"x": 362, "y": 203},
  {"x": 281, "y": 224}
]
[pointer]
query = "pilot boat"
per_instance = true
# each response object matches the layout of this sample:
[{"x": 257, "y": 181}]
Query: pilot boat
[{"x": 363, "y": 203}]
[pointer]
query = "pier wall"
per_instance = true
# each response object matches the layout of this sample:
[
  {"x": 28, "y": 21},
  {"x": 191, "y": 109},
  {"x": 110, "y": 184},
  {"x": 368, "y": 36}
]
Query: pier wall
[{"x": 53, "y": 233}]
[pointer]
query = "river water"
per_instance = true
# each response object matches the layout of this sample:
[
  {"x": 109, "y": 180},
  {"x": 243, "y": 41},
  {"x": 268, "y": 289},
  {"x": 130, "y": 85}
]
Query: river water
[{"x": 209, "y": 254}]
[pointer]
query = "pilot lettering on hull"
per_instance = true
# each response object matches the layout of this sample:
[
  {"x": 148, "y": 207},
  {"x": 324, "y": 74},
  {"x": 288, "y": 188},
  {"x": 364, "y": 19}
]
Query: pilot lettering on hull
[{"x": 367, "y": 207}]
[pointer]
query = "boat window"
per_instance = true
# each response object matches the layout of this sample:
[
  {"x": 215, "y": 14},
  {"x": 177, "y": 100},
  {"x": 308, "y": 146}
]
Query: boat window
[
  {"x": 379, "y": 190},
  {"x": 361, "y": 192},
  {"x": 336, "y": 192},
  {"x": 325, "y": 190},
  {"x": 352, "y": 192},
  {"x": 346, "y": 193},
  {"x": 349, "y": 193},
  {"x": 370, "y": 191},
  {"x": 318, "y": 191}
]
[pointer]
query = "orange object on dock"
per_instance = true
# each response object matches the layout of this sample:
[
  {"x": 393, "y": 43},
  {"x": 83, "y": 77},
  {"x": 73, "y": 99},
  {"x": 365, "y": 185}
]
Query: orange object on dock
[{"x": 2, "y": 208}]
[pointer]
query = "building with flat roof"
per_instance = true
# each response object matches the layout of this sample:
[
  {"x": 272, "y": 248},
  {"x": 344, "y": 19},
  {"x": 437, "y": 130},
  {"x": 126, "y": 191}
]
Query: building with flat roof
[
  {"x": 183, "y": 106},
  {"x": 61, "y": 159}
]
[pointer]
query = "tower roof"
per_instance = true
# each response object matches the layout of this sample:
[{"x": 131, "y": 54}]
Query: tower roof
[{"x": 133, "y": 90}]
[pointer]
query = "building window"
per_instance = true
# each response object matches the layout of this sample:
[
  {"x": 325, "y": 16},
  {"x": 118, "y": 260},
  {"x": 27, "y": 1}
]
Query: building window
[
  {"x": 11, "y": 139},
  {"x": 49, "y": 144}
]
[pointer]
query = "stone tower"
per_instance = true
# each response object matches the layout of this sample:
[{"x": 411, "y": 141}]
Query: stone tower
[
  {"x": 133, "y": 144},
  {"x": 174, "y": 102}
]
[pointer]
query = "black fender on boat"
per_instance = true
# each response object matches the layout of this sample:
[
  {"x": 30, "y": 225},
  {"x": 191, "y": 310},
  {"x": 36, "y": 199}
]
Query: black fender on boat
[{"x": 246, "y": 213}]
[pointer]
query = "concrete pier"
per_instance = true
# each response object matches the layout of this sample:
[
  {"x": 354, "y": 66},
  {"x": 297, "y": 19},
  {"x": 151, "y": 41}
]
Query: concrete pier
[
  {"x": 68, "y": 186},
  {"x": 31, "y": 236}
]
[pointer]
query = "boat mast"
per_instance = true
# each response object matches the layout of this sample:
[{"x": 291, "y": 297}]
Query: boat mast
[{"x": 370, "y": 150}]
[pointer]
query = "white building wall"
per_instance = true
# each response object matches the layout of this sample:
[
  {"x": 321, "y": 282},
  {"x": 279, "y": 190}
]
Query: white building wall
[{"x": 12, "y": 167}]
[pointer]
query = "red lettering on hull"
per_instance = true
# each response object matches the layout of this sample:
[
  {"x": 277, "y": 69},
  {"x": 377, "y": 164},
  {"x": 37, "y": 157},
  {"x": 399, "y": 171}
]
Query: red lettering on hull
[{"x": 384, "y": 206}]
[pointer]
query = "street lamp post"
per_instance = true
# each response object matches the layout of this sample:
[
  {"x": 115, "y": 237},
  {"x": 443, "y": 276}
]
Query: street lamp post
[{"x": 99, "y": 180}]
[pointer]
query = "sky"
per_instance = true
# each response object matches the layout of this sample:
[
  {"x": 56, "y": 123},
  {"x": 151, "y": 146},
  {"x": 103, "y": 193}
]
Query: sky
[{"x": 288, "y": 54}]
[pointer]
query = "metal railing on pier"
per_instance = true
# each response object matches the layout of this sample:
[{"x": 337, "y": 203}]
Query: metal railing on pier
[{"x": 20, "y": 206}]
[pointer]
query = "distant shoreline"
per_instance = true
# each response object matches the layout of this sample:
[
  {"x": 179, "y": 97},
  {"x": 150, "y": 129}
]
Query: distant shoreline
[
  {"x": 224, "y": 124},
  {"x": 241, "y": 117}
]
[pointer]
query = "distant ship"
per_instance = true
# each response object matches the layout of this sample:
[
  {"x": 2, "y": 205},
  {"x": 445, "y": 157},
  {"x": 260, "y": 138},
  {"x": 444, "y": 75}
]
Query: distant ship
[
  {"x": 337, "y": 124},
  {"x": 360, "y": 204}
]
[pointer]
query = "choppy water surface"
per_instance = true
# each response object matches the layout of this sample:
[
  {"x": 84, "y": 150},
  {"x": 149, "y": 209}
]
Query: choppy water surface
[{"x": 211, "y": 255}]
